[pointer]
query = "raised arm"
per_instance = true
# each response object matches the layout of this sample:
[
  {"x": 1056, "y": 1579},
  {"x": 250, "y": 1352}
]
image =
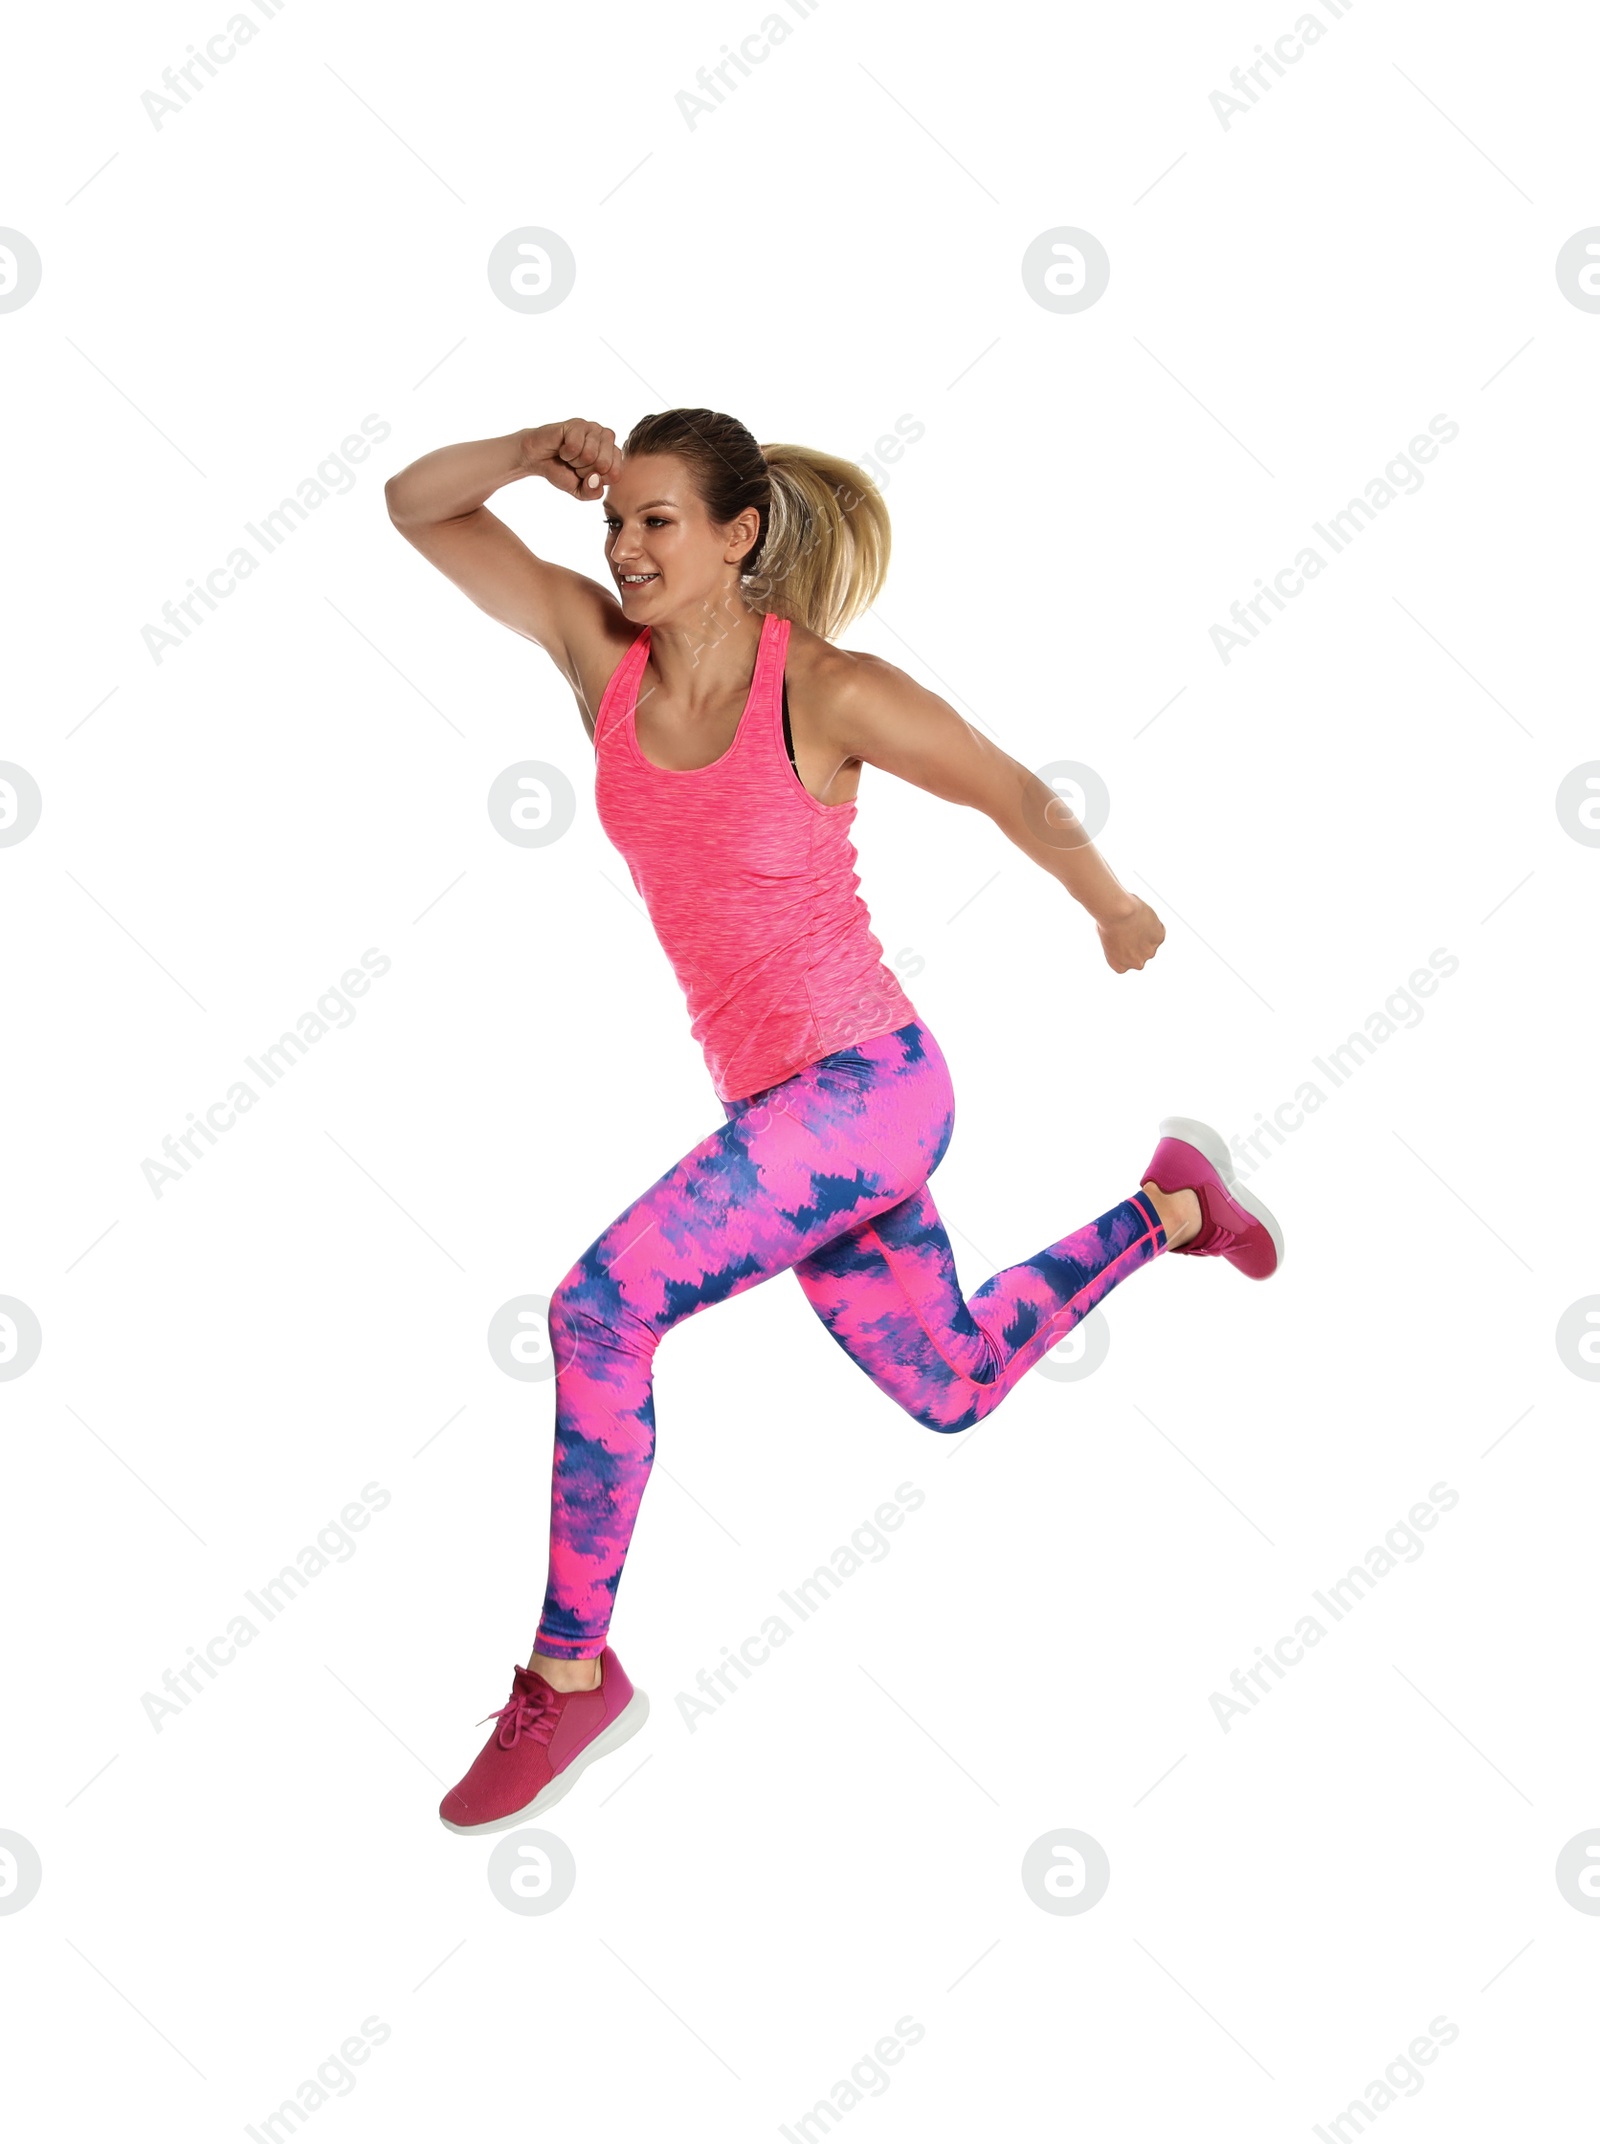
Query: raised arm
[
  {"x": 437, "y": 505},
  {"x": 882, "y": 717}
]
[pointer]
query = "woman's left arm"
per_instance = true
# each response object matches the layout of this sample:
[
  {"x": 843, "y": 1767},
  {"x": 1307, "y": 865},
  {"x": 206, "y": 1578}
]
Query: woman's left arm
[{"x": 882, "y": 717}]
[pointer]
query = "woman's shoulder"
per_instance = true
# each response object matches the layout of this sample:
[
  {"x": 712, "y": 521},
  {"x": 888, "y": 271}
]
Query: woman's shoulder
[
  {"x": 826, "y": 673},
  {"x": 839, "y": 698}
]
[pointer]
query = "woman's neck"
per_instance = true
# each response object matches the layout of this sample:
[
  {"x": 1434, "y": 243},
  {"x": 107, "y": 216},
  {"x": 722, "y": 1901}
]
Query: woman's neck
[{"x": 705, "y": 658}]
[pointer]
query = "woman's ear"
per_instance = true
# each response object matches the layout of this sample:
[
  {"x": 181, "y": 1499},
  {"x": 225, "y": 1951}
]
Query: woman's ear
[{"x": 743, "y": 530}]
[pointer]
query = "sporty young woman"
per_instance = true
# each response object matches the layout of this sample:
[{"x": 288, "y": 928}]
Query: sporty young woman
[{"x": 729, "y": 735}]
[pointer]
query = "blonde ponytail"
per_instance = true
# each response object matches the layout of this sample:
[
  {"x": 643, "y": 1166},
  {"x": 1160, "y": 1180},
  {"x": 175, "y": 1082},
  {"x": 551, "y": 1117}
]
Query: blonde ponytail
[{"x": 826, "y": 553}]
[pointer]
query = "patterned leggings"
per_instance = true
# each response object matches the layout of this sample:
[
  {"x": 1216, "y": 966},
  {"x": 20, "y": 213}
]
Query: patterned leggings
[{"x": 826, "y": 1173}]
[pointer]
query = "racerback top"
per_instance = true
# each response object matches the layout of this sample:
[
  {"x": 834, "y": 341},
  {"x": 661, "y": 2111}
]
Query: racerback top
[{"x": 750, "y": 884}]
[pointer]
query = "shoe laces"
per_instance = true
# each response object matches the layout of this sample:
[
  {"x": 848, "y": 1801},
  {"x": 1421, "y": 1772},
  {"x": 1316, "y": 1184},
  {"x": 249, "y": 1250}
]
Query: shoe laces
[{"x": 528, "y": 1712}]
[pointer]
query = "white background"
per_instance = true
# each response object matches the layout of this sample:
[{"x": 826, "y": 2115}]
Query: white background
[{"x": 760, "y": 1900}]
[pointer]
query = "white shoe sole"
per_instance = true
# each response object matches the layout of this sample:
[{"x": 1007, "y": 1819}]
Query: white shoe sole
[
  {"x": 1211, "y": 1143},
  {"x": 626, "y": 1724}
]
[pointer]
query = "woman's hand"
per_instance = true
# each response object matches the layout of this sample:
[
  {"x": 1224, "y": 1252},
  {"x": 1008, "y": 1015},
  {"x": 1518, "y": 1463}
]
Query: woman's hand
[
  {"x": 578, "y": 457},
  {"x": 1129, "y": 940}
]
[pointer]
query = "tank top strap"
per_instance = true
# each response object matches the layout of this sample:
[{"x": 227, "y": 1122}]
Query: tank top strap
[
  {"x": 766, "y": 692},
  {"x": 622, "y": 688}
]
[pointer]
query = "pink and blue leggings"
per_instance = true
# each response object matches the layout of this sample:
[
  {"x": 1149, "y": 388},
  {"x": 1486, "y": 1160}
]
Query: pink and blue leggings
[{"x": 826, "y": 1173}]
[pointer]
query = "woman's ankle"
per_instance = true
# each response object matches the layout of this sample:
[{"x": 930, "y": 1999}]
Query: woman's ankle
[
  {"x": 1179, "y": 1213},
  {"x": 566, "y": 1674}
]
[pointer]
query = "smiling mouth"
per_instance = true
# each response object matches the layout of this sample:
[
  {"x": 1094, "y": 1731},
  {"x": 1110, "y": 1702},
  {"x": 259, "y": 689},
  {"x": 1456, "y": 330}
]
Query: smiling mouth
[{"x": 637, "y": 580}]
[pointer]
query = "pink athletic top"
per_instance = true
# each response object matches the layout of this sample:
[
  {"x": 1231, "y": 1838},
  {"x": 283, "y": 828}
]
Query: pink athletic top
[{"x": 751, "y": 886}]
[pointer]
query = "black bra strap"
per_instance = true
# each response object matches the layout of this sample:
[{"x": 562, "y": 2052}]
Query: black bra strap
[{"x": 788, "y": 734}]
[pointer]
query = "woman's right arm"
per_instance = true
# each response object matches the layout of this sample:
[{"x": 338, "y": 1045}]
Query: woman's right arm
[{"x": 437, "y": 504}]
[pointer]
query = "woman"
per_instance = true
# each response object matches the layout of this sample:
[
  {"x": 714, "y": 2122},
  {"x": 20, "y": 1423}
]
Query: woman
[{"x": 729, "y": 737}]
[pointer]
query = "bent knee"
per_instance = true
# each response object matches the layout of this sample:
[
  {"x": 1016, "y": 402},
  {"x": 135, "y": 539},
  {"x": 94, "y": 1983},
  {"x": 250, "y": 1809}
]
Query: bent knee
[
  {"x": 947, "y": 1419},
  {"x": 589, "y": 1309}
]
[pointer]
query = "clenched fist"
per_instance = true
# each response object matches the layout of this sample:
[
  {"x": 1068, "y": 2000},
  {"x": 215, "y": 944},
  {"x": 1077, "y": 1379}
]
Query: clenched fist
[
  {"x": 578, "y": 457},
  {"x": 1132, "y": 939}
]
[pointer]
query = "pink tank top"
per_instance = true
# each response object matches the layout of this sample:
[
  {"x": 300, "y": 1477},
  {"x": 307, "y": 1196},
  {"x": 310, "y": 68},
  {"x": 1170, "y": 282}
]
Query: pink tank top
[{"x": 750, "y": 884}]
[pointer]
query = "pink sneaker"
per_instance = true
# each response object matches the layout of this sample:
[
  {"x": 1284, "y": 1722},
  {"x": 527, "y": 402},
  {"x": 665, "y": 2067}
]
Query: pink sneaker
[
  {"x": 1233, "y": 1224},
  {"x": 544, "y": 1738}
]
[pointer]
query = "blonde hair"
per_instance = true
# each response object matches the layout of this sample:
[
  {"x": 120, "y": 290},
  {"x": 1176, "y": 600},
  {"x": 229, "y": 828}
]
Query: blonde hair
[
  {"x": 821, "y": 553},
  {"x": 826, "y": 553}
]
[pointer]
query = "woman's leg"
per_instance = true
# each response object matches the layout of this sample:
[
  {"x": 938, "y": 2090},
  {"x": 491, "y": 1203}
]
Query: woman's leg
[
  {"x": 848, "y": 1138},
  {"x": 889, "y": 1295},
  {"x": 826, "y": 1173}
]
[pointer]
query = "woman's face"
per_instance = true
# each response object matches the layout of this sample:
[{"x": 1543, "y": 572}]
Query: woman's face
[{"x": 667, "y": 557}]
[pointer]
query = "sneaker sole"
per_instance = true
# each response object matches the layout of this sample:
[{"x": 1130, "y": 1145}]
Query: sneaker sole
[
  {"x": 626, "y": 1724},
  {"x": 1210, "y": 1143}
]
